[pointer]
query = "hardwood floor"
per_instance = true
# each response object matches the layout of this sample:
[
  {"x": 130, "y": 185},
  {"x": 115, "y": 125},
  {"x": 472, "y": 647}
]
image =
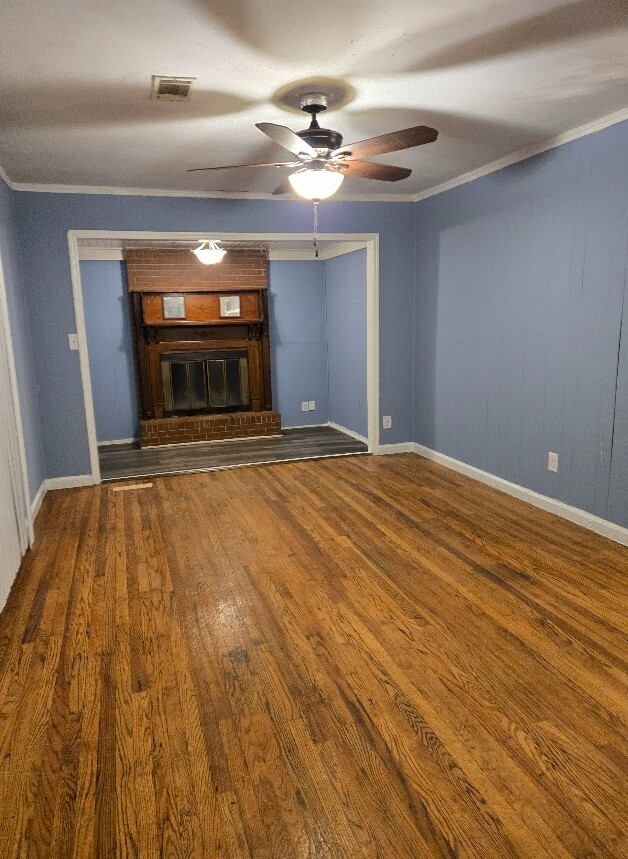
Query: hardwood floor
[
  {"x": 121, "y": 461},
  {"x": 353, "y": 657}
]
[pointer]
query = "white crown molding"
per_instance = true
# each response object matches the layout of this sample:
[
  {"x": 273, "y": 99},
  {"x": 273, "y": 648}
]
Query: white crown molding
[
  {"x": 6, "y": 179},
  {"x": 112, "y": 190},
  {"x": 528, "y": 152}
]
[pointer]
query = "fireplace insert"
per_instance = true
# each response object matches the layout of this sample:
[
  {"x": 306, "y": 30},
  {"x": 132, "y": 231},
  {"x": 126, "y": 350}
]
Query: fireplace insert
[{"x": 205, "y": 382}]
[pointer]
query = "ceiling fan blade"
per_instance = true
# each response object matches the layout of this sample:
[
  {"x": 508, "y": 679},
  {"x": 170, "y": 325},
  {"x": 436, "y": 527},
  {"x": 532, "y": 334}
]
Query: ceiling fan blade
[
  {"x": 370, "y": 170},
  {"x": 236, "y": 166},
  {"x": 393, "y": 142},
  {"x": 287, "y": 138},
  {"x": 283, "y": 188}
]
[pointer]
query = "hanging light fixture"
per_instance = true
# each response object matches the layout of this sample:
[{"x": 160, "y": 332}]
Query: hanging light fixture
[
  {"x": 315, "y": 183},
  {"x": 209, "y": 253}
]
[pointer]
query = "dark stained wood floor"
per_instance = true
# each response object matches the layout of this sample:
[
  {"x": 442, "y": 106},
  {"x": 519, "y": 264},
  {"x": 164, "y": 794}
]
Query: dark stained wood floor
[
  {"x": 353, "y": 657},
  {"x": 121, "y": 461}
]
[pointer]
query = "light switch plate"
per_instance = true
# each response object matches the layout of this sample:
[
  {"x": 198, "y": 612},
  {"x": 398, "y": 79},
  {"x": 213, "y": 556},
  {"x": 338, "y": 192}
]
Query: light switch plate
[
  {"x": 312, "y": 405},
  {"x": 305, "y": 407},
  {"x": 552, "y": 462},
  {"x": 73, "y": 342},
  {"x": 387, "y": 421}
]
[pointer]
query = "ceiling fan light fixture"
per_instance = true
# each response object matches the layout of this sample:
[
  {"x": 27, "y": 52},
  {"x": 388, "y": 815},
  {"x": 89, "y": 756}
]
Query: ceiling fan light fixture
[
  {"x": 315, "y": 183},
  {"x": 209, "y": 253}
]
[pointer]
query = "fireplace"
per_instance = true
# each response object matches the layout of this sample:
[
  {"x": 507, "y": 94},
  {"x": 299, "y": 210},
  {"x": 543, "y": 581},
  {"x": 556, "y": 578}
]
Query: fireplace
[
  {"x": 205, "y": 382},
  {"x": 202, "y": 346}
]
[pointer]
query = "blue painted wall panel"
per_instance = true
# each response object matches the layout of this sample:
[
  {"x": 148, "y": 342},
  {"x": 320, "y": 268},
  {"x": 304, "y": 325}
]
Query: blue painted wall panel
[
  {"x": 520, "y": 280},
  {"x": 298, "y": 341},
  {"x": 109, "y": 340},
  {"x": 618, "y": 489},
  {"x": 44, "y": 219},
  {"x": 21, "y": 337},
  {"x": 345, "y": 291}
]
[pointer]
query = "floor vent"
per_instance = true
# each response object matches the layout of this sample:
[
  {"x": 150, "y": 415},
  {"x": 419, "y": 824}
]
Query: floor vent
[{"x": 172, "y": 89}]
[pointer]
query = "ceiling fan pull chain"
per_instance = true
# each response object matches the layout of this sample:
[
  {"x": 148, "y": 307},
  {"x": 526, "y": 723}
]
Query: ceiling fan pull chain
[{"x": 316, "y": 229}]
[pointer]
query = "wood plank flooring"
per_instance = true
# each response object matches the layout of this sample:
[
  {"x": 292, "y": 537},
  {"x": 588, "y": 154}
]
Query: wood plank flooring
[
  {"x": 128, "y": 460},
  {"x": 352, "y": 657}
]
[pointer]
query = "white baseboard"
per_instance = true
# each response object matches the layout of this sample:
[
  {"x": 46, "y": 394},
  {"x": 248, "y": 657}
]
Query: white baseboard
[
  {"x": 36, "y": 504},
  {"x": 544, "y": 502},
  {"x": 348, "y": 432},
  {"x": 400, "y": 447},
  {"x": 71, "y": 482},
  {"x": 117, "y": 441},
  {"x": 305, "y": 426}
]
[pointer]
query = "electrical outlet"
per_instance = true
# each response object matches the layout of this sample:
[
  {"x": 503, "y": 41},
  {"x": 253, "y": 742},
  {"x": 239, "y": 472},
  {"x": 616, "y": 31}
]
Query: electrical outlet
[
  {"x": 387, "y": 421},
  {"x": 552, "y": 462},
  {"x": 73, "y": 342},
  {"x": 305, "y": 407},
  {"x": 312, "y": 405}
]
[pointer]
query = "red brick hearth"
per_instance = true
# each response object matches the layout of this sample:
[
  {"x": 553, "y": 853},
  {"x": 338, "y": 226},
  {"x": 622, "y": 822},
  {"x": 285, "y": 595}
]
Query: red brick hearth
[{"x": 217, "y": 427}]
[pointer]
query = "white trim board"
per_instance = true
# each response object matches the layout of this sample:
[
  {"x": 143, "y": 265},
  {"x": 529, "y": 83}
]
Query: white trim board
[
  {"x": 117, "y": 441},
  {"x": 74, "y": 481},
  {"x": 37, "y": 501},
  {"x": 274, "y": 255},
  {"x": 354, "y": 241},
  {"x": 115, "y": 254},
  {"x": 544, "y": 502},
  {"x": 27, "y": 535},
  {"x": 305, "y": 426},
  {"x": 399, "y": 447},
  {"x": 348, "y": 432}
]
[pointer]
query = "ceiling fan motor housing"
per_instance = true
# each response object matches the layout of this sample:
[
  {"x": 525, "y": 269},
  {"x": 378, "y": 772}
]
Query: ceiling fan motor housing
[{"x": 324, "y": 140}]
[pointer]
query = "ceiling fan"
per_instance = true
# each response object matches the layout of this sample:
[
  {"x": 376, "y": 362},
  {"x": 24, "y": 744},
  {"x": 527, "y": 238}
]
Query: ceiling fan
[{"x": 322, "y": 161}]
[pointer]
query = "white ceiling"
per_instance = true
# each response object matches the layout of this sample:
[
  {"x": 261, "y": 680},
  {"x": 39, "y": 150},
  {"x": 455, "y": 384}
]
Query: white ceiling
[{"x": 492, "y": 75}]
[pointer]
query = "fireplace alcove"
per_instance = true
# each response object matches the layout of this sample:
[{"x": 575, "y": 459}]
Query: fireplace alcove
[{"x": 201, "y": 337}]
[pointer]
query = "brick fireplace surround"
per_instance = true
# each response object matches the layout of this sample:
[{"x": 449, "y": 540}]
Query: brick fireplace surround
[
  {"x": 154, "y": 273},
  {"x": 183, "y": 430}
]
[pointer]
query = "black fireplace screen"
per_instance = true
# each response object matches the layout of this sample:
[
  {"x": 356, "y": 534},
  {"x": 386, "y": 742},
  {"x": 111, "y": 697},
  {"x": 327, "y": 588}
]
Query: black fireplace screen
[{"x": 205, "y": 381}]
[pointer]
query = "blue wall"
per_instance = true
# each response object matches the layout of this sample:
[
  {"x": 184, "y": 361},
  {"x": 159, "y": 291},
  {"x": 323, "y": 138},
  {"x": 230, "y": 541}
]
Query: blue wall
[
  {"x": 520, "y": 285},
  {"x": 345, "y": 291},
  {"x": 44, "y": 219},
  {"x": 110, "y": 344},
  {"x": 22, "y": 345},
  {"x": 518, "y": 282},
  {"x": 298, "y": 340}
]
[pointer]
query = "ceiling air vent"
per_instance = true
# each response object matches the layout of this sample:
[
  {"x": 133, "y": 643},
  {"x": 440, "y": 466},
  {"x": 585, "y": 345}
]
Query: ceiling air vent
[{"x": 172, "y": 89}]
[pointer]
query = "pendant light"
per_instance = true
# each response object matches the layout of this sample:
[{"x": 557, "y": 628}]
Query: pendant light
[{"x": 209, "y": 253}]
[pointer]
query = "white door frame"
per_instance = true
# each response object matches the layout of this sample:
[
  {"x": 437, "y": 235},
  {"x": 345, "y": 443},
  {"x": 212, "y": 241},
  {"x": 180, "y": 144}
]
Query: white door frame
[
  {"x": 24, "y": 515},
  {"x": 354, "y": 241}
]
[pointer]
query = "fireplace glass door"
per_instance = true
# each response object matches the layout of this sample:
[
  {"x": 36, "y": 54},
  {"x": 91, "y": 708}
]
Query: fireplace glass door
[{"x": 205, "y": 382}]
